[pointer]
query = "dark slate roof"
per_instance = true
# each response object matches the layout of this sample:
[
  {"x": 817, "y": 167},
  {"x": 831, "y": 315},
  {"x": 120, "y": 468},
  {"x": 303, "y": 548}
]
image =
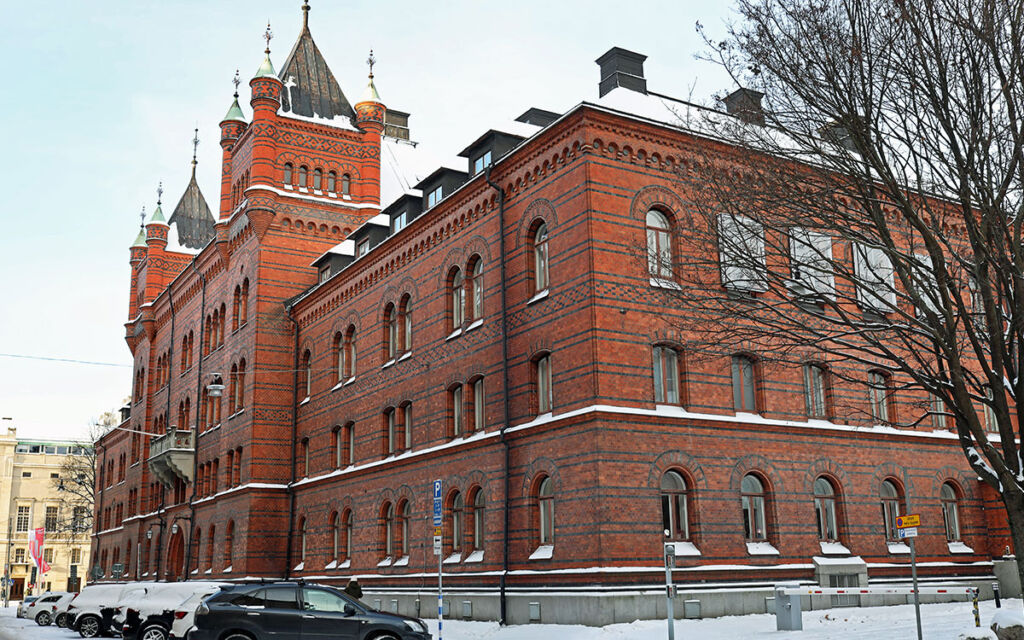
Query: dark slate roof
[
  {"x": 309, "y": 86},
  {"x": 192, "y": 217}
]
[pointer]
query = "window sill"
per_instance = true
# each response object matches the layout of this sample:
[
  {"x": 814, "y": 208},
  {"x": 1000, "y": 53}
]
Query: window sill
[
  {"x": 454, "y": 558},
  {"x": 386, "y": 562},
  {"x": 454, "y": 334},
  {"x": 388, "y": 363},
  {"x": 476, "y": 556},
  {"x": 762, "y": 548},
  {"x": 304, "y": 401},
  {"x": 476, "y": 323},
  {"x": 345, "y": 565},
  {"x": 300, "y": 566},
  {"x": 346, "y": 197},
  {"x": 666, "y": 284},
  {"x": 289, "y": 187},
  {"x": 239, "y": 412},
  {"x": 331, "y": 194},
  {"x": 318, "y": 192},
  {"x": 685, "y": 548},
  {"x": 898, "y": 548},
  {"x": 833, "y": 548},
  {"x": 402, "y": 562},
  {"x": 349, "y": 381},
  {"x": 405, "y": 356},
  {"x": 540, "y": 295},
  {"x": 228, "y": 570},
  {"x": 543, "y": 552},
  {"x": 303, "y": 190},
  {"x": 959, "y": 547}
]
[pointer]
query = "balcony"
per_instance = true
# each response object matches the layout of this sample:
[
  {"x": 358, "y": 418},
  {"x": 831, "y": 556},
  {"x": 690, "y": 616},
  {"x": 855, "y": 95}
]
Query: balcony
[{"x": 171, "y": 456}]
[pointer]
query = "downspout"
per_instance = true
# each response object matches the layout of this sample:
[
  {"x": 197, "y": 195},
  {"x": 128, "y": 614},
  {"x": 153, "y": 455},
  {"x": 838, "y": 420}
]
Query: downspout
[
  {"x": 504, "y": 399},
  {"x": 199, "y": 412},
  {"x": 170, "y": 359},
  {"x": 295, "y": 431}
]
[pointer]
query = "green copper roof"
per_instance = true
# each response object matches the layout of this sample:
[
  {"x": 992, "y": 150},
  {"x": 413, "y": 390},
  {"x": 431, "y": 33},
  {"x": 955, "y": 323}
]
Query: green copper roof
[
  {"x": 157, "y": 217},
  {"x": 235, "y": 112},
  {"x": 370, "y": 93},
  {"x": 140, "y": 240},
  {"x": 266, "y": 69}
]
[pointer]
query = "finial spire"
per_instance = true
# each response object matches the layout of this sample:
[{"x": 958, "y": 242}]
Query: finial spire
[
  {"x": 370, "y": 62},
  {"x": 195, "y": 150},
  {"x": 159, "y": 193},
  {"x": 142, "y": 217},
  {"x": 305, "y": 15},
  {"x": 268, "y": 35},
  {"x": 237, "y": 81}
]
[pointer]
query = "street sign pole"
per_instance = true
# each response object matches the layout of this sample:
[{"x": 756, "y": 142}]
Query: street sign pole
[
  {"x": 917, "y": 598},
  {"x": 438, "y": 528},
  {"x": 907, "y": 526},
  {"x": 670, "y": 561}
]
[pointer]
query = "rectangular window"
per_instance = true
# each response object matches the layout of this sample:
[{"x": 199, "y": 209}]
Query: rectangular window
[
  {"x": 482, "y": 162},
  {"x": 940, "y": 419},
  {"x": 48, "y": 554},
  {"x": 457, "y": 411},
  {"x": 878, "y": 390},
  {"x": 398, "y": 222},
  {"x": 363, "y": 248},
  {"x": 875, "y": 278},
  {"x": 51, "y": 519},
  {"x": 741, "y": 253},
  {"x": 479, "y": 419},
  {"x": 811, "y": 262},
  {"x": 26, "y": 474},
  {"x": 19, "y": 556},
  {"x": 744, "y": 391},
  {"x": 391, "y": 431},
  {"x": 23, "y": 519},
  {"x": 666, "y": 375},
  {"x": 76, "y": 555},
  {"x": 325, "y": 274},
  {"x": 434, "y": 197},
  {"x": 544, "y": 385},
  {"x": 815, "y": 391},
  {"x": 407, "y": 416},
  {"x": 991, "y": 422}
]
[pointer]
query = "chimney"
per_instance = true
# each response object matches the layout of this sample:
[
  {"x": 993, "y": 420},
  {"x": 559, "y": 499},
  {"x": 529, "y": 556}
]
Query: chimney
[
  {"x": 745, "y": 104},
  {"x": 621, "y": 68}
]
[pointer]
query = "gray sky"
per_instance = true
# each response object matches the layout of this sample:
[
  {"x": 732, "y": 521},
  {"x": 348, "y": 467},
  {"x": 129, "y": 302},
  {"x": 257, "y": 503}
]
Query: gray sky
[{"x": 102, "y": 98}]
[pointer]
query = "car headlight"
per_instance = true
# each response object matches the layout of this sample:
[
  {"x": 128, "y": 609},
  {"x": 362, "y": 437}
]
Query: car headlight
[{"x": 416, "y": 625}]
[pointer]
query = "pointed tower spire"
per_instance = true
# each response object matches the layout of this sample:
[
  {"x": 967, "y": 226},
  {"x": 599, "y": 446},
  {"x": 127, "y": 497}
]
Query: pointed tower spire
[
  {"x": 370, "y": 92},
  {"x": 370, "y": 110},
  {"x": 195, "y": 150},
  {"x": 267, "y": 68},
  {"x": 235, "y": 111},
  {"x": 140, "y": 240}
]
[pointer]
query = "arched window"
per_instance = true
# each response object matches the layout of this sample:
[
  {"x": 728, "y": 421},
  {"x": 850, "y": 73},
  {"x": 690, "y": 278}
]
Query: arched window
[
  {"x": 220, "y": 325},
  {"x": 816, "y": 390},
  {"x": 349, "y": 433},
  {"x": 303, "y": 171},
  {"x": 318, "y": 176},
  {"x": 539, "y": 243},
  {"x": 404, "y": 516},
  {"x": 476, "y": 289},
  {"x": 457, "y": 408},
  {"x": 542, "y": 376},
  {"x": 306, "y": 374},
  {"x": 346, "y": 534},
  {"x": 332, "y": 181},
  {"x": 478, "y": 520},
  {"x": 210, "y": 544},
  {"x": 233, "y": 393},
  {"x": 407, "y": 425},
  {"x": 334, "y": 526},
  {"x": 346, "y": 184},
  {"x": 348, "y": 353},
  {"x": 675, "y": 507},
  {"x": 458, "y": 510},
  {"x": 545, "y": 512},
  {"x": 243, "y": 311},
  {"x": 287, "y": 177},
  {"x": 825, "y": 510},
  {"x": 891, "y": 508},
  {"x": 880, "y": 396},
  {"x": 338, "y": 446},
  {"x": 390, "y": 332},
  {"x": 236, "y": 306},
  {"x": 666, "y": 375},
  {"x": 752, "y": 496},
  {"x": 390, "y": 427},
  {"x": 950, "y": 512},
  {"x": 457, "y": 299},
  {"x": 479, "y": 413},
  {"x": 229, "y": 546},
  {"x": 240, "y": 398},
  {"x": 659, "y": 245},
  {"x": 744, "y": 384},
  {"x": 304, "y": 459},
  {"x": 389, "y": 523},
  {"x": 405, "y": 321}
]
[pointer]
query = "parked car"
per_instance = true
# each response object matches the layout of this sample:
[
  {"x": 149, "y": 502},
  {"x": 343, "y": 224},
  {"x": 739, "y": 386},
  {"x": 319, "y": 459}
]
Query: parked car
[
  {"x": 60, "y": 612},
  {"x": 185, "y": 616},
  {"x": 91, "y": 613},
  {"x": 42, "y": 609},
  {"x": 149, "y": 616},
  {"x": 288, "y": 610},
  {"x": 26, "y": 601}
]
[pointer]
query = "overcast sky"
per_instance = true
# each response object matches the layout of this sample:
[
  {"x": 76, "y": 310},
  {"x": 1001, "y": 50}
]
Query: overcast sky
[{"x": 102, "y": 97}]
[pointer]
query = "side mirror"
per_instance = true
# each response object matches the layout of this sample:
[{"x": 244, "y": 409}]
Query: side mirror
[{"x": 349, "y": 610}]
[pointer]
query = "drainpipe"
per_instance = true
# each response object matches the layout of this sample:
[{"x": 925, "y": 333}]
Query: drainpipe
[
  {"x": 504, "y": 397},
  {"x": 295, "y": 431},
  {"x": 199, "y": 412}
]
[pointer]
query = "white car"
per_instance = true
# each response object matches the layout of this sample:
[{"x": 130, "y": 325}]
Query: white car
[
  {"x": 185, "y": 614},
  {"x": 43, "y": 608},
  {"x": 151, "y": 616},
  {"x": 91, "y": 612},
  {"x": 60, "y": 612},
  {"x": 23, "y": 605}
]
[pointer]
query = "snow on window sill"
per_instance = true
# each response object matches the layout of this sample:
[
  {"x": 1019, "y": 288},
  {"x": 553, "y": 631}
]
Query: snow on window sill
[
  {"x": 898, "y": 547},
  {"x": 405, "y": 356},
  {"x": 476, "y": 323},
  {"x": 386, "y": 562},
  {"x": 304, "y": 401},
  {"x": 318, "y": 192},
  {"x": 331, "y": 194},
  {"x": 543, "y": 552},
  {"x": 540, "y": 295},
  {"x": 333, "y": 564},
  {"x": 685, "y": 548},
  {"x": 388, "y": 363},
  {"x": 544, "y": 416},
  {"x": 237, "y": 413},
  {"x": 228, "y": 570},
  {"x": 208, "y": 571},
  {"x": 349, "y": 381},
  {"x": 338, "y": 386},
  {"x": 454, "y": 558},
  {"x": 303, "y": 190},
  {"x": 476, "y": 556},
  {"x": 346, "y": 197},
  {"x": 345, "y": 565},
  {"x": 761, "y": 549},
  {"x": 289, "y": 187},
  {"x": 300, "y": 566},
  {"x": 665, "y": 284},
  {"x": 402, "y": 562},
  {"x": 959, "y": 547},
  {"x": 454, "y": 334},
  {"x": 833, "y": 548},
  {"x": 195, "y": 571}
]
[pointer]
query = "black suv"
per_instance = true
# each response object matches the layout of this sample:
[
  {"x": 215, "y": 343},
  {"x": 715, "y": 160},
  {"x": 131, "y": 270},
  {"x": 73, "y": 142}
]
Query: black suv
[{"x": 295, "y": 611}]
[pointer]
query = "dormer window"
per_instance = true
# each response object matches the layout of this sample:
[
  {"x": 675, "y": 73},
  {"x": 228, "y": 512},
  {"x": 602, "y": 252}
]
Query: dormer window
[
  {"x": 363, "y": 248},
  {"x": 482, "y": 162},
  {"x": 399, "y": 222},
  {"x": 434, "y": 197},
  {"x": 325, "y": 274}
]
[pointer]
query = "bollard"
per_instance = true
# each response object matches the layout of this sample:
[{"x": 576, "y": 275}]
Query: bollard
[
  {"x": 995, "y": 593},
  {"x": 977, "y": 614}
]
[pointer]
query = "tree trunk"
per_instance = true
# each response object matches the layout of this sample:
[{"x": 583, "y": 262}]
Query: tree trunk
[{"x": 1013, "y": 499}]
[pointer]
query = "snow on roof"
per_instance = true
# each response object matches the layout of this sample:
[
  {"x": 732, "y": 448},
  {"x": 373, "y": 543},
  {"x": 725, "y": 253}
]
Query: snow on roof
[
  {"x": 338, "y": 121},
  {"x": 402, "y": 165},
  {"x": 381, "y": 220},
  {"x": 174, "y": 242}
]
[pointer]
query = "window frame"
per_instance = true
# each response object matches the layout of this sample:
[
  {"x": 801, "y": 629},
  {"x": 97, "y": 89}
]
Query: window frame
[
  {"x": 541, "y": 257},
  {"x": 745, "y": 388},
  {"x": 675, "y": 507},
  {"x": 660, "y": 252},
  {"x": 545, "y": 504},
  {"x": 754, "y": 504},
  {"x": 951, "y": 512},
  {"x": 826, "y": 509},
  {"x": 817, "y": 396},
  {"x": 667, "y": 375},
  {"x": 892, "y": 507}
]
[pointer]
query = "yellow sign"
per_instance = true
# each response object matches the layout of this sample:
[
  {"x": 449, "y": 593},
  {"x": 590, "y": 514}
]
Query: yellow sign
[
  {"x": 437, "y": 531},
  {"x": 904, "y": 522}
]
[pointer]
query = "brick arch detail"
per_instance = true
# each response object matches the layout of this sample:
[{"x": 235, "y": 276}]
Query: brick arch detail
[
  {"x": 321, "y": 162},
  {"x": 657, "y": 197},
  {"x": 406, "y": 493},
  {"x": 540, "y": 465},
  {"x": 478, "y": 245},
  {"x": 340, "y": 325},
  {"x": 455, "y": 257},
  {"x": 960, "y": 478},
  {"x": 478, "y": 478},
  {"x": 827, "y": 467},
  {"x": 540, "y": 208},
  {"x": 755, "y": 462},
  {"x": 408, "y": 285},
  {"x": 893, "y": 470},
  {"x": 676, "y": 460}
]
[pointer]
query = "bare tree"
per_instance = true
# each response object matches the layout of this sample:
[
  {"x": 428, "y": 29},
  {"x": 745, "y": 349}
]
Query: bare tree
[
  {"x": 870, "y": 216},
  {"x": 76, "y": 485}
]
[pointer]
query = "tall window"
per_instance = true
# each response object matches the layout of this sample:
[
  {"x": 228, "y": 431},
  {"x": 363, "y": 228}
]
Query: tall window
[
  {"x": 659, "y": 246},
  {"x": 21, "y": 525},
  {"x": 338, "y": 445},
  {"x": 457, "y": 410},
  {"x": 825, "y": 510},
  {"x": 229, "y": 545},
  {"x": 991, "y": 422},
  {"x": 287, "y": 178},
  {"x": 741, "y": 253},
  {"x": 404, "y": 518},
  {"x": 350, "y": 442},
  {"x": 476, "y": 290},
  {"x": 744, "y": 384},
  {"x": 940, "y": 417},
  {"x": 675, "y": 508},
  {"x": 816, "y": 391},
  {"x": 302, "y": 540},
  {"x": 304, "y": 452},
  {"x": 666, "y": 375},
  {"x": 306, "y": 370},
  {"x": 458, "y": 511},
  {"x": 332, "y": 181},
  {"x": 390, "y": 332},
  {"x": 334, "y": 525},
  {"x": 318, "y": 176},
  {"x": 875, "y": 278},
  {"x": 232, "y": 395},
  {"x": 407, "y": 425},
  {"x": 950, "y": 512},
  {"x": 810, "y": 254},
  {"x": 240, "y": 386},
  {"x": 346, "y": 532},
  {"x": 243, "y": 309},
  {"x": 405, "y": 319},
  {"x": 752, "y": 496},
  {"x": 540, "y": 258},
  {"x": 878, "y": 392},
  {"x": 391, "y": 427},
  {"x": 389, "y": 524},
  {"x": 479, "y": 408},
  {"x": 303, "y": 176},
  {"x": 50, "y": 524},
  {"x": 347, "y": 360},
  {"x": 543, "y": 374},
  {"x": 458, "y": 301},
  {"x": 891, "y": 508},
  {"x": 478, "y": 520},
  {"x": 346, "y": 184},
  {"x": 546, "y": 512}
]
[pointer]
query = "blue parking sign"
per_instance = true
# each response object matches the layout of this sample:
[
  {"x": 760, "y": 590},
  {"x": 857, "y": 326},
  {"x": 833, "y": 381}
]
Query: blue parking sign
[{"x": 437, "y": 503}]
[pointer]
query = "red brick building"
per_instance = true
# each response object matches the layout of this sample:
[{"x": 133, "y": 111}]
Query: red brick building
[{"x": 375, "y": 319}]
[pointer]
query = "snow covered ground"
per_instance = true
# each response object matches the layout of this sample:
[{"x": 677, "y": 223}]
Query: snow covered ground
[{"x": 941, "y": 622}]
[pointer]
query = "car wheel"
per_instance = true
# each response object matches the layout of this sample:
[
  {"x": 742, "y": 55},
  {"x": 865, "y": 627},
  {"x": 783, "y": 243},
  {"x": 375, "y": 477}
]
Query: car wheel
[
  {"x": 61, "y": 620},
  {"x": 89, "y": 627},
  {"x": 153, "y": 632},
  {"x": 44, "y": 619}
]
